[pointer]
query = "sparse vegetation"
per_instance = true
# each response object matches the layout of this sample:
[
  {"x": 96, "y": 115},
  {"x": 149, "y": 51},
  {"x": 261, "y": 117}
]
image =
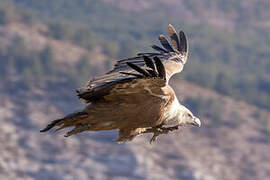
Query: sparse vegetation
[{"x": 34, "y": 68}]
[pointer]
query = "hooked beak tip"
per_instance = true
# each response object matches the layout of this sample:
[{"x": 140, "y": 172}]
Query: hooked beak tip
[{"x": 197, "y": 122}]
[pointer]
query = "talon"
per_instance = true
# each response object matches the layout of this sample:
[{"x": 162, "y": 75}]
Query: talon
[
  {"x": 173, "y": 128},
  {"x": 168, "y": 129},
  {"x": 158, "y": 130},
  {"x": 154, "y": 138}
]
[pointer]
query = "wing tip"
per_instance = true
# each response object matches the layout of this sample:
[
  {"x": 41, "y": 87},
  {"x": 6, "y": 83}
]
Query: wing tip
[
  {"x": 161, "y": 36},
  {"x": 171, "y": 28},
  {"x": 174, "y": 38},
  {"x": 183, "y": 42}
]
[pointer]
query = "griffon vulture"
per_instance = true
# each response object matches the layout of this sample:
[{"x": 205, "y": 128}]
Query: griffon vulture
[{"x": 135, "y": 96}]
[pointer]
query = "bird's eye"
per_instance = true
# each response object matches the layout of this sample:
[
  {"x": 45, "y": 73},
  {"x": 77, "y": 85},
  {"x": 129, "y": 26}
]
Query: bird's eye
[{"x": 189, "y": 115}]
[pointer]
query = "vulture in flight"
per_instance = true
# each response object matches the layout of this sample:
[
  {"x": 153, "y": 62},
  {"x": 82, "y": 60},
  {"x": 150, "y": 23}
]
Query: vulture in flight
[{"x": 135, "y": 96}]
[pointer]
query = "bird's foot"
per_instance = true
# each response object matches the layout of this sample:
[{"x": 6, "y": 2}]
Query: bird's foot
[{"x": 160, "y": 130}]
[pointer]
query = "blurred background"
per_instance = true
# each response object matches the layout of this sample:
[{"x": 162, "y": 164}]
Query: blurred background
[{"x": 50, "y": 48}]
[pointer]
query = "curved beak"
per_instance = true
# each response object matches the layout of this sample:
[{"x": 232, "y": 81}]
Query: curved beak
[{"x": 196, "y": 122}]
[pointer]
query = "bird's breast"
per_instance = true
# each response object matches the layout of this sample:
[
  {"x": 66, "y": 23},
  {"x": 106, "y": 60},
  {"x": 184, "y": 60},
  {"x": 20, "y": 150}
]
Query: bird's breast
[{"x": 171, "y": 113}]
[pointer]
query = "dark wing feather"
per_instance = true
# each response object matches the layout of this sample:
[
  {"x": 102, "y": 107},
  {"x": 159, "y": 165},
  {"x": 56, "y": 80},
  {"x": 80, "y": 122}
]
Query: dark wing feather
[
  {"x": 160, "y": 68},
  {"x": 165, "y": 43},
  {"x": 149, "y": 72},
  {"x": 159, "y": 49},
  {"x": 149, "y": 63},
  {"x": 148, "y": 54},
  {"x": 95, "y": 90},
  {"x": 137, "y": 68},
  {"x": 184, "y": 44},
  {"x": 153, "y": 73}
]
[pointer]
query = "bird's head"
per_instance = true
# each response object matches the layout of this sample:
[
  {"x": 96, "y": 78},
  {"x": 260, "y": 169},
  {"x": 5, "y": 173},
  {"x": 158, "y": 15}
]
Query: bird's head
[{"x": 187, "y": 118}]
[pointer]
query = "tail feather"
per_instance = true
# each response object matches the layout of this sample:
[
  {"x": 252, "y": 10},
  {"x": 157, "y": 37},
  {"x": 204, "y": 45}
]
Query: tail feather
[
  {"x": 78, "y": 129},
  {"x": 51, "y": 125},
  {"x": 66, "y": 121}
]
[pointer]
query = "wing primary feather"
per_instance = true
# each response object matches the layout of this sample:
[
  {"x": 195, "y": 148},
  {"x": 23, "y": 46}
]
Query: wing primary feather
[
  {"x": 132, "y": 74},
  {"x": 183, "y": 42},
  {"x": 153, "y": 73},
  {"x": 165, "y": 43},
  {"x": 149, "y": 54},
  {"x": 149, "y": 63},
  {"x": 159, "y": 49},
  {"x": 138, "y": 69},
  {"x": 174, "y": 38},
  {"x": 160, "y": 67}
]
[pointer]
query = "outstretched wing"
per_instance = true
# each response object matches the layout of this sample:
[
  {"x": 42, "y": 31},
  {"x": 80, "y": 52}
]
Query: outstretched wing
[
  {"x": 154, "y": 75},
  {"x": 171, "y": 56}
]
